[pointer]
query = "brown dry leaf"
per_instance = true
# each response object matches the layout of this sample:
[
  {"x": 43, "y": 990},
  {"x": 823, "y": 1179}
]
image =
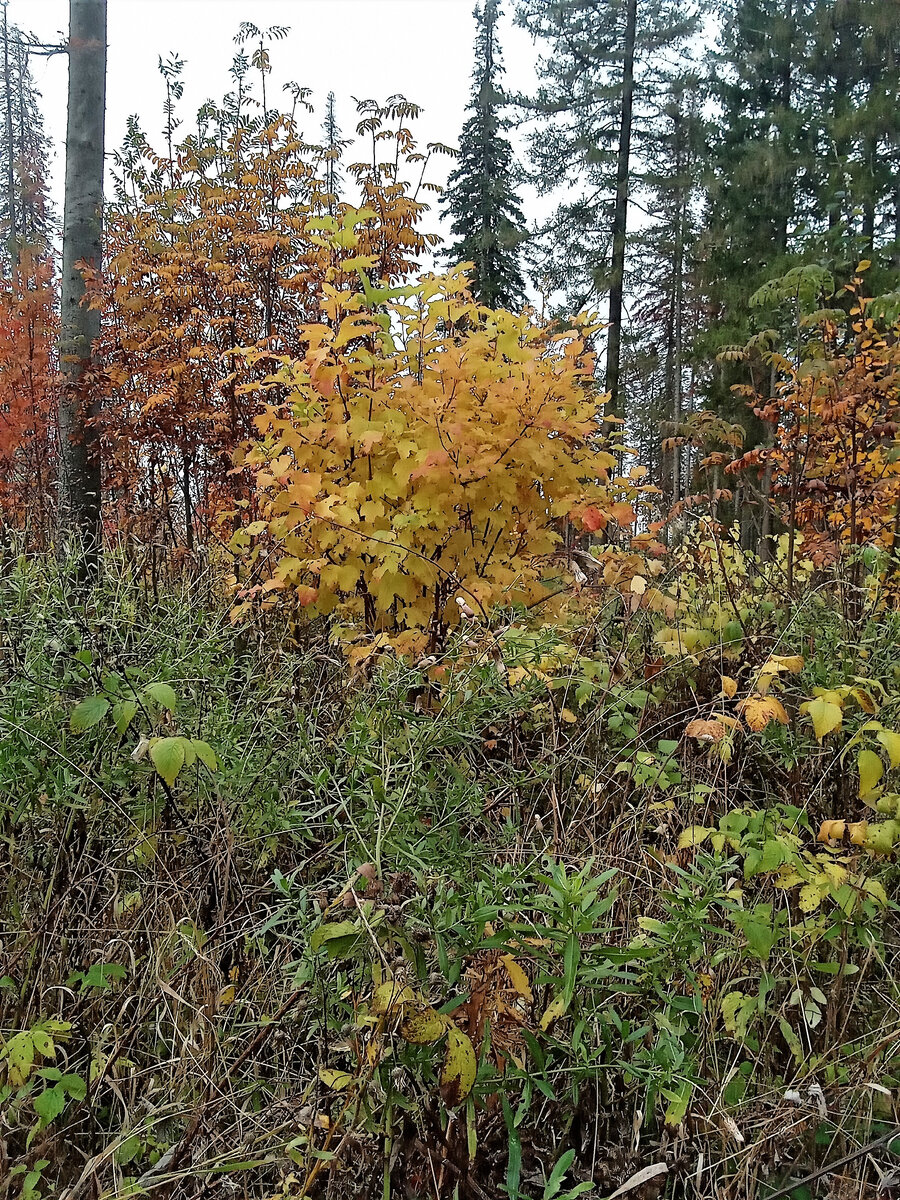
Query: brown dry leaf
[
  {"x": 759, "y": 711},
  {"x": 705, "y": 731}
]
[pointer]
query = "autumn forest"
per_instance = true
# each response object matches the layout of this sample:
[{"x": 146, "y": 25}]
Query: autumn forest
[{"x": 449, "y": 590}]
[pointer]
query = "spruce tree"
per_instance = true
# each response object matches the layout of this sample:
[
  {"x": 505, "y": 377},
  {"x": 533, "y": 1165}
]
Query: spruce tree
[
  {"x": 26, "y": 214},
  {"x": 761, "y": 156},
  {"x": 665, "y": 299},
  {"x": 855, "y": 71},
  {"x": 332, "y": 147},
  {"x": 607, "y": 66},
  {"x": 487, "y": 222}
]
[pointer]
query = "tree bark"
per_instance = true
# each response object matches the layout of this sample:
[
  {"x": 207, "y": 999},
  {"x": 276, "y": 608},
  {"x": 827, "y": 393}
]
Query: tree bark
[
  {"x": 620, "y": 217},
  {"x": 79, "y": 449}
]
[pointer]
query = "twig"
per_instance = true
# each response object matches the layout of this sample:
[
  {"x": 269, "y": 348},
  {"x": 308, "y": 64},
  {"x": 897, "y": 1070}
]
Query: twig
[{"x": 841, "y": 1162}]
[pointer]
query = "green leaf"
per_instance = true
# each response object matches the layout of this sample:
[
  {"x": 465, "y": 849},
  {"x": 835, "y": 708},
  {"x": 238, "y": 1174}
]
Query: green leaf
[
  {"x": 679, "y": 1101},
  {"x": 514, "y": 1144},
  {"x": 123, "y": 714},
  {"x": 168, "y": 757},
  {"x": 571, "y": 959},
  {"x": 88, "y": 713},
  {"x": 328, "y": 932},
  {"x": 554, "y": 1183},
  {"x": 460, "y": 1067},
  {"x": 43, "y": 1043},
  {"x": 206, "y": 754},
  {"x": 129, "y": 1150},
  {"x": 871, "y": 769},
  {"x": 74, "y": 1085},
  {"x": 760, "y": 938},
  {"x": 49, "y": 1104},
  {"x": 190, "y": 754},
  {"x": 163, "y": 694},
  {"x": 793, "y": 1042},
  {"x": 100, "y": 974}
]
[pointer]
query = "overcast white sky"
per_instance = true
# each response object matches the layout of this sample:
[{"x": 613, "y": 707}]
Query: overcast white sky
[{"x": 362, "y": 48}]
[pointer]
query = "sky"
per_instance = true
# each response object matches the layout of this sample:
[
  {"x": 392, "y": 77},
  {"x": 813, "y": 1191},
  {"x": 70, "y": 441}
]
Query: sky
[{"x": 362, "y": 48}]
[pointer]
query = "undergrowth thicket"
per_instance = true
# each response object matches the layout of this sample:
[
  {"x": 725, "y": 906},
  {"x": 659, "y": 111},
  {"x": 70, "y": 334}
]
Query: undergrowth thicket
[{"x": 524, "y": 921}]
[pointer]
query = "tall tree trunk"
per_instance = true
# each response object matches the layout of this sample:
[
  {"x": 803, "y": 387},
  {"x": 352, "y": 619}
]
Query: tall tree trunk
[
  {"x": 870, "y": 153},
  {"x": 82, "y": 228},
  {"x": 620, "y": 216},
  {"x": 785, "y": 186},
  {"x": 678, "y": 272}
]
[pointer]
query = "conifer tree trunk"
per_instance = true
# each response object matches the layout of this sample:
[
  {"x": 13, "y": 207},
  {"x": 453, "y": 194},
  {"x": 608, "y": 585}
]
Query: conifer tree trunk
[
  {"x": 620, "y": 215},
  {"x": 82, "y": 227}
]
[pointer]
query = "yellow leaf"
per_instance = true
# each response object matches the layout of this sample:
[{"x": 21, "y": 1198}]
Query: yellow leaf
[
  {"x": 694, "y": 835},
  {"x": 554, "y": 1010},
  {"x": 891, "y": 743},
  {"x": 390, "y": 996},
  {"x": 568, "y": 716},
  {"x": 517, "y": 977},
  {"x": 19, "y": 1058},
  {"x": 336, "y": 1080},
  {"x": 831, "y": 831},
  {"x": 460, "y": 1067},
  {"x": 871, "y": 769},
  {"x": 859, "y": 833},
  {"x": 226, "y": 996},
  {"x": 793, "y": 663},
  {"x": 874, "y": 888},
  {"x": 729, "y": 686},
  {"x": 810, "y": 898},
  {"x": 426, "y": 1026},
  {"x": 638, "y": 585},
  {"x": 825, "y": 716}
]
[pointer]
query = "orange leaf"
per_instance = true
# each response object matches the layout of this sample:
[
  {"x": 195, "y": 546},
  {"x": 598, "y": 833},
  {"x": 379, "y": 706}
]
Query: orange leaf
[{"x": 759, "y": 711}]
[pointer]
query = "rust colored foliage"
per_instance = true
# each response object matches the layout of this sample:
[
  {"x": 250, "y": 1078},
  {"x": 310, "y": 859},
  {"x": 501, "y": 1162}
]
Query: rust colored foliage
[
  {"x": 28, "y": 332},
  {"x": 215, "y": 248},
  {"x": 835, "y": 454}
]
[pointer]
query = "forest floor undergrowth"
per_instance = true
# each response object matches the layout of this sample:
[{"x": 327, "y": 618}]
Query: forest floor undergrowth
[{"x": 555, "y": 915}]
